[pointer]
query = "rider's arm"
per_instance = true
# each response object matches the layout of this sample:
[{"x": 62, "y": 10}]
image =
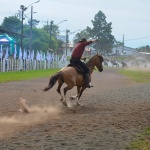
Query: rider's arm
[{"x": 94, "y": 40}]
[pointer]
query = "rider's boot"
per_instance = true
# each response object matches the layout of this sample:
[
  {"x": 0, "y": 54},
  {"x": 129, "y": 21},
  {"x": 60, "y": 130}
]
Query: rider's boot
[{"x": 87, "y": 80}]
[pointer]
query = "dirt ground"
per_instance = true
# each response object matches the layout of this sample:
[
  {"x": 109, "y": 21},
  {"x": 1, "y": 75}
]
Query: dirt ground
[{"x": 111, "y": 114}]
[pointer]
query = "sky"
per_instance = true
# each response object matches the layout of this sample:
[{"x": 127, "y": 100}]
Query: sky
[{"x": 129, "y": 18}]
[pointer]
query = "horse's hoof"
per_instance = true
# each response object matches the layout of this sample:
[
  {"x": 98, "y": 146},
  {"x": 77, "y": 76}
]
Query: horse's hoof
[
  {"x": 72, "y": 98},
  {"x": 78, "y": 104},
  {"x": 61, "y": 100},
  {"x": 64, "y": 104}
]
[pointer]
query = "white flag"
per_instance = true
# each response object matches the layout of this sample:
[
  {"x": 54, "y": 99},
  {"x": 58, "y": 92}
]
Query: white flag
[
  {"x": 63, "y": 59},
  {"x": 53, "y": 57},
  {"x": 29, "y": 54},
  {"x": 20, "y": 53},
  {"x": 37, "y": 55},
  {"x": 1, "y": 52},
  {"x": 15, "y": 52},
  {"x": 6, "y": 54},
  {"x": 32, "y": 55},
  {"x": 49, "y": 56},
  {"x": 24, "y": 54}
]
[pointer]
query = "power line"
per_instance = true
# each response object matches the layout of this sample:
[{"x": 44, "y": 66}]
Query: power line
[{"x": 138, "y": 38}]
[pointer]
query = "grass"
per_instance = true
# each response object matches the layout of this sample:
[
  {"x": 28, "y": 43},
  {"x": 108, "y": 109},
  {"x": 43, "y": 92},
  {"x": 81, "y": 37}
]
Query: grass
[
  {"x": 25, "y": 75},
  {"x": 142, "y": 142},
  {"x": 137, "y": 76}
]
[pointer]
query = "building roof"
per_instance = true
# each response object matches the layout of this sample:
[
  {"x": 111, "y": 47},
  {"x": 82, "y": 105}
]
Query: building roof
[{"x": 6, "y": 39}]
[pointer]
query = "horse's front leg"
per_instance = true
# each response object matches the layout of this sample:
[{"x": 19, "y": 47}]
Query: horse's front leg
[
  {"x": 79, "y": 95},
  {"x": 76, "y": 96}
]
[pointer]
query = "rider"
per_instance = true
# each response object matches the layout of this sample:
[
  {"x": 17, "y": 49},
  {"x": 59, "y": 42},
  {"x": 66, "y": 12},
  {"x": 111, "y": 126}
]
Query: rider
[{"x": 77, "y": 54}]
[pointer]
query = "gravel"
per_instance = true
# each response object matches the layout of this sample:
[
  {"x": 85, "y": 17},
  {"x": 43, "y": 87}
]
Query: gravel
[{"x": 111, "y": 115}]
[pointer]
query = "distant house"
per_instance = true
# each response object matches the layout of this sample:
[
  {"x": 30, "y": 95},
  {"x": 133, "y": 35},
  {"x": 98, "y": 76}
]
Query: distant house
[
  {"x": 120, "y": 50},
  {"x": 68, "y": 47},
  {"x": 62, "y": 38}
]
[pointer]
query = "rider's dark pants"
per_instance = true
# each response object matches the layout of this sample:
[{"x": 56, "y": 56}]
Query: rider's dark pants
[{"x": 80, "y": 63}]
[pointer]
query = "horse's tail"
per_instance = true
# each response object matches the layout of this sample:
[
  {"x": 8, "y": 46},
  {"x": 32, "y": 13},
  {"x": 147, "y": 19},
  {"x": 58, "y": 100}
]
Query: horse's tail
[{"x": 52, "y": 81}]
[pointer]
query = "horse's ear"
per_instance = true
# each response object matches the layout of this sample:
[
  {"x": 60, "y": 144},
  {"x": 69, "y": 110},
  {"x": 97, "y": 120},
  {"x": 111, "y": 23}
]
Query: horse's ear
[{"x": 101, "y": 54}]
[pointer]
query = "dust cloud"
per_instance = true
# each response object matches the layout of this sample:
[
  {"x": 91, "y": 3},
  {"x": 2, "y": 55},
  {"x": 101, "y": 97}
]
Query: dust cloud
[
  {"x": 26, "y": 116},
  {"x": 138, "y": 62}
]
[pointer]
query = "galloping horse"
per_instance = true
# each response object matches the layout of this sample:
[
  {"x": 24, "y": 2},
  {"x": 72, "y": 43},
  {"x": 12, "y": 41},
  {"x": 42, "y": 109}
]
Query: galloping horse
[
  {"x": 114, "y": 64},
  {"x": 71, "y": 76},
  {"x": 124, "y": 64}
]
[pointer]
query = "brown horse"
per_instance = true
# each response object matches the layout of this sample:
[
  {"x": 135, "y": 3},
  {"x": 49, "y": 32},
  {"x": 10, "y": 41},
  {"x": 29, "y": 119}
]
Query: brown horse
[{"x": 72, "y": 77}]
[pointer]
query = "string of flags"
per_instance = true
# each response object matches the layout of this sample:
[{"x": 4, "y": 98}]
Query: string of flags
[{"x": 27, "y": 54}]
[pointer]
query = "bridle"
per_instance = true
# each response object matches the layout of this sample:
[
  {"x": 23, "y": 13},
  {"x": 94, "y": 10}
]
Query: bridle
[{"x": 101, "y": 60}]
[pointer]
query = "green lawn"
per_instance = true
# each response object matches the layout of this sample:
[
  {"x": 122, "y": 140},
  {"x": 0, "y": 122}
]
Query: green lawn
[
  {"x": 142, "y": 142},
  {"x": 25, "y": 75},
  {"x": 138, "y": 76}
]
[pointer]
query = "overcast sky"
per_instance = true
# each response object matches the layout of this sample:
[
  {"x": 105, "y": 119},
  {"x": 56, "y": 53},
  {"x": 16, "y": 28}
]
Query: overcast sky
[{"x": 130, "y": 18}]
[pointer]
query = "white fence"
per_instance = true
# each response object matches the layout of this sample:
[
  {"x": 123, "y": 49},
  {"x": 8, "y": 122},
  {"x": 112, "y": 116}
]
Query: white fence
[{"x": 20, "y": 64}]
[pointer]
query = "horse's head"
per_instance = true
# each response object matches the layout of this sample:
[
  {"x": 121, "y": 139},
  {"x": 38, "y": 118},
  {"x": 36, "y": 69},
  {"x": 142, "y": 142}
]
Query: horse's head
[{"x": 98, "y": 62}]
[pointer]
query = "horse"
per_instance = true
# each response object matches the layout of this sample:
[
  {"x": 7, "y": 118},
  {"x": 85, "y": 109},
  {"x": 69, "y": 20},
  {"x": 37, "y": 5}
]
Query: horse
[
  {"x": 105, "y": 63},
  {"x": 114, "y": 64},
  {"x": 124, "y": 64},
  {"x": 73, "y": 77}
]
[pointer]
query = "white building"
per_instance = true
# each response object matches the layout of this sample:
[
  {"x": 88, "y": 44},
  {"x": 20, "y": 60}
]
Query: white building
[
  {"x": 68, "y": 48},
  {"x": 120, "y": 50}
]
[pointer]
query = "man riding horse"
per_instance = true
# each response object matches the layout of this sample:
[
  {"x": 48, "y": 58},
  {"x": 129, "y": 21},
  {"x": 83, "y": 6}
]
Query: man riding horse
[
  {"x": 76, "y": 57},
  {"x": 71, "y": 76}
]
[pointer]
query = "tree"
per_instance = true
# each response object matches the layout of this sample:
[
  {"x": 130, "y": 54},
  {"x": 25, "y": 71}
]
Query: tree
[
  {"x": 55, "y": 32},
  {"x": 34, "y": 22},
  {"x": 144, "y": 49},
  {"x": 102, "y": 30},
  {"x": 12, "y": 23},
  {"x": 83, "y": 34},
  {"x": 39, "y": 38}
]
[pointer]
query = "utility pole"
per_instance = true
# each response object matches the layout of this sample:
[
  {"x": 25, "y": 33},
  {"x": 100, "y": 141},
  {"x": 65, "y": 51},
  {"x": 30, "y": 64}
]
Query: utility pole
[
  {"x": 47, "y": 28},
  {"x": 123, "y": 44},
  {"x": 50, "y": 32},
  {"x": 23, "y": 8},
  {"x": 67, "y": 39},
  {"x": 30, "y": 46}
]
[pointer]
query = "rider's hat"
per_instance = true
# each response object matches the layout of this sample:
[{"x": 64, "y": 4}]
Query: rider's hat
[{"x": 83, "y": 40}]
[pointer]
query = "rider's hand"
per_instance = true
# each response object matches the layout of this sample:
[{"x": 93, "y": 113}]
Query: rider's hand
[{"x": 94, "y": 40}]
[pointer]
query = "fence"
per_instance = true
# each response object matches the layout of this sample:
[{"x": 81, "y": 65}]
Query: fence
[{"x": 26, "y": 64}]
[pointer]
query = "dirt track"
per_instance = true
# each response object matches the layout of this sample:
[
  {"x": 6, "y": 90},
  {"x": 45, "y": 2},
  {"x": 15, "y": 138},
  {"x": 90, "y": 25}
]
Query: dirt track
[{"x": 111, "y": 115}]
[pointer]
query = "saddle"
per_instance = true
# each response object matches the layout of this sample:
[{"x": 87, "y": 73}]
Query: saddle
[{"x": 78, "y": 68}]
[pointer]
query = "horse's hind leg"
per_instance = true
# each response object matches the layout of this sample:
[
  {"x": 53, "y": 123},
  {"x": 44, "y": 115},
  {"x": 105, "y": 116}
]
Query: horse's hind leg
[
  {"x": 59, "y": 91},
  {"x": 69, "y": 87}
]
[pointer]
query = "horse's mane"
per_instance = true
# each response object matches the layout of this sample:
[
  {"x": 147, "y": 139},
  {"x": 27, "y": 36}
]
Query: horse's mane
[{"x": 89, "y": 61}]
